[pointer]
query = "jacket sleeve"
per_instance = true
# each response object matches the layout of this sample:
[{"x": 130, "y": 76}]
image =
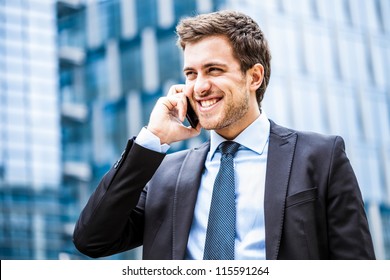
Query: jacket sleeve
[
  {"x": 113, "y": 218},
  {"x": 348, "y": 231}
]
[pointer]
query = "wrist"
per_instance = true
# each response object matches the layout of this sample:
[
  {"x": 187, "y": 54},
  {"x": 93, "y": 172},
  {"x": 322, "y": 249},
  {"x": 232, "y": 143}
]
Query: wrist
[
  {"x": 157, "y": 133},
  {"x": 149, "y": 140}
]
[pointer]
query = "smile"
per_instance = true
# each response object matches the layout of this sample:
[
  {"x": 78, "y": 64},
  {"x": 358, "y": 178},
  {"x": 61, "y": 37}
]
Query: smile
[{"x": 208, "y": 103}]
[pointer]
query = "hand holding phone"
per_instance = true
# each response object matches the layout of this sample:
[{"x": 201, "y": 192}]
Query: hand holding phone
[{"x": 167, "y": 117}]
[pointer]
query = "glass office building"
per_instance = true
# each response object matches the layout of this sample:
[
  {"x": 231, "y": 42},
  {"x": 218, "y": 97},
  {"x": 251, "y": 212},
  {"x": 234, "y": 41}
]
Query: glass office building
[
  {"x": 31, "y": 219},
  {"x": 78, "y": 78}
]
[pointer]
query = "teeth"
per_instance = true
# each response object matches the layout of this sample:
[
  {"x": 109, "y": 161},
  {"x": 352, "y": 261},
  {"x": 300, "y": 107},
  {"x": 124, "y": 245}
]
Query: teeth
[{"x": 208, "y": 103}]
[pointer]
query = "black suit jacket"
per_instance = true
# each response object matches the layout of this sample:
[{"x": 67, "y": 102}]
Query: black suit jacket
[{"x": 313, "y": 206}]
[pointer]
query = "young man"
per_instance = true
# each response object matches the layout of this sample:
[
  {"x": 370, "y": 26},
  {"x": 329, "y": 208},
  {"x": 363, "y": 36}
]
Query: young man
[{"x": 286, "y": 194}]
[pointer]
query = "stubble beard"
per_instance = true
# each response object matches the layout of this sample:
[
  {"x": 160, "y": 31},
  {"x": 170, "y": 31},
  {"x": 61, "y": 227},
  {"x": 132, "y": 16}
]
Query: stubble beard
[{"x": 232, "y": 112}]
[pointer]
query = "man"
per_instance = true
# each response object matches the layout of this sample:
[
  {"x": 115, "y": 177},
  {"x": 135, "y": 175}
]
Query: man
[{"x": 295, "y": 195}]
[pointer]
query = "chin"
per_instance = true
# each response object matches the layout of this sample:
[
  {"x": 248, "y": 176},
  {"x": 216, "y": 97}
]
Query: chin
[
  {"x": 212, "y": 125},
  {"x": 207, "y": 125}
]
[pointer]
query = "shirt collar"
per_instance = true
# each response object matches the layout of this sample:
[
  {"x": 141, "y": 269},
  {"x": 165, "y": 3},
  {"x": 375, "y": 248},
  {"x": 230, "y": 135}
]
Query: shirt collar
[{"x": 254, "y": 137}]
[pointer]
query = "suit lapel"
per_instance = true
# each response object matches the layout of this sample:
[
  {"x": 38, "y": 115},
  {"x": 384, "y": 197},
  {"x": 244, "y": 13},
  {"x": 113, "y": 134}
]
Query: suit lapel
[
  {"x": 280, "y": 156},
  {"x": 186, "y": 192}
]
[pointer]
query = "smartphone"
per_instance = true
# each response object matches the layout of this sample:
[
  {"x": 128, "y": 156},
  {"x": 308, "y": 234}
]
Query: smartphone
[{"x": 191, "y": 116}]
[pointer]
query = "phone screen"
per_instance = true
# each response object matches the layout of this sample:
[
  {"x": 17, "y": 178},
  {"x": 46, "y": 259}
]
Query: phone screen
[{"x": 191, "y": 116}]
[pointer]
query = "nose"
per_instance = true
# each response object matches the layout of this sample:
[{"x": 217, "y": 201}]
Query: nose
[{"x": 202, "y": 85}]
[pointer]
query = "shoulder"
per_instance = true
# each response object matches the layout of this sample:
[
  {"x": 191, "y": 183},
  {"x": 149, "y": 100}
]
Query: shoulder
[{"x": 307, "y": 140}]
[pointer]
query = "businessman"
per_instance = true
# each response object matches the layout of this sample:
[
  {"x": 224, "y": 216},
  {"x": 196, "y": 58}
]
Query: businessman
[{"x": 255, "y": 190}]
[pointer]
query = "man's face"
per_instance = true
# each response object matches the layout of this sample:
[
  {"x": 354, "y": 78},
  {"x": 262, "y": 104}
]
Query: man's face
[{"x": 220, "y": 93}]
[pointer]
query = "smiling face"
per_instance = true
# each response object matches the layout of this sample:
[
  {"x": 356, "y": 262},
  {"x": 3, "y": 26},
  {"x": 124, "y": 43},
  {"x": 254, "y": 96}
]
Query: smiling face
[{"x": 223, "y": 97}]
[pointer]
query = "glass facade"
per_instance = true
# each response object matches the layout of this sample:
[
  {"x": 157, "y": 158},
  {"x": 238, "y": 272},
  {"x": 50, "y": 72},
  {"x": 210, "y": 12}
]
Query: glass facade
[
  {"x": 30, "y": 132},
  {"x": 78, "y": 78}
]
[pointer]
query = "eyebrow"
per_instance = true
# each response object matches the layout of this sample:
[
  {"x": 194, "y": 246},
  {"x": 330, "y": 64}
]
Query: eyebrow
[{"x": 207, "y": 65}]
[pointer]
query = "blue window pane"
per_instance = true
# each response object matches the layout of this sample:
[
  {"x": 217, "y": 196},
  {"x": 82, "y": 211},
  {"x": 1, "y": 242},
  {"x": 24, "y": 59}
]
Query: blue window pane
[{"x": 146, "y": 13}]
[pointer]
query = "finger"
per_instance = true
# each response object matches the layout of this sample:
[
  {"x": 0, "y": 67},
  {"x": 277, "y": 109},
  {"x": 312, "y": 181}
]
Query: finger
[
  {"x": 175, "y": 89},
  {"x": 181, "y": 106},
  {"x": 188, "y": 90},
  {"x": 175, "y": 105},
  {"x": 168, "y": 103}
]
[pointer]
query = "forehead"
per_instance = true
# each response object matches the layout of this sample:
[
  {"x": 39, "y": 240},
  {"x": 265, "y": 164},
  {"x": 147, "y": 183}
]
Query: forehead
[{"x": 212, "y": 48}]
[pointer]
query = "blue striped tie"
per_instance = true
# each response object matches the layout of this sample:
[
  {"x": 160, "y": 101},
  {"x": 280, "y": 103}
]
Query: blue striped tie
[{"x": 221, "y": 228}]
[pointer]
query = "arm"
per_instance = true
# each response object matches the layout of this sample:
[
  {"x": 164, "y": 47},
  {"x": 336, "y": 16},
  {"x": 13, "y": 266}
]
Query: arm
[
  {"x": 112, "y": 220},
  {"x": 349, "y": 236}
]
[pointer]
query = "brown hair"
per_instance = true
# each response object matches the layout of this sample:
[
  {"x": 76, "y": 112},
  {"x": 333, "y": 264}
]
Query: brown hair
[{"x": 247, "y": 39}]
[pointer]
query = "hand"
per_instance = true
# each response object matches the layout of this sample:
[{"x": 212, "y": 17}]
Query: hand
[{"x": 167, "y": 117}]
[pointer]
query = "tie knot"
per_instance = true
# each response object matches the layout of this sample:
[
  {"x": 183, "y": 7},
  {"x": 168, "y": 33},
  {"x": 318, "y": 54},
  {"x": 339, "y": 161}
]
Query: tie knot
[{"x": 229, "y": 147}]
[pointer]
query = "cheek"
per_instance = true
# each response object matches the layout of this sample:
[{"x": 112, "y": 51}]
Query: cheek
[
  {"x": 233, "y": 83},
  {"x": 189, "y": 84}
]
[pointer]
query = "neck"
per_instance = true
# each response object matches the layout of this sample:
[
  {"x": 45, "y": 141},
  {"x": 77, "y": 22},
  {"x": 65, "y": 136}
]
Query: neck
[{"x": 232, "y": 131}]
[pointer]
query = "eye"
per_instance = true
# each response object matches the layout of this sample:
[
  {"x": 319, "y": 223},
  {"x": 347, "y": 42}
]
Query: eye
[
  {"x": 190, "y": 75},
  {"x": 214, "y": 70}
]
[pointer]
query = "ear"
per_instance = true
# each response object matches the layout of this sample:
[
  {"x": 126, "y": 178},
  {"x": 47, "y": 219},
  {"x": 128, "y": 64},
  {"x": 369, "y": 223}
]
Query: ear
[{"x": 256, "y": 74}]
